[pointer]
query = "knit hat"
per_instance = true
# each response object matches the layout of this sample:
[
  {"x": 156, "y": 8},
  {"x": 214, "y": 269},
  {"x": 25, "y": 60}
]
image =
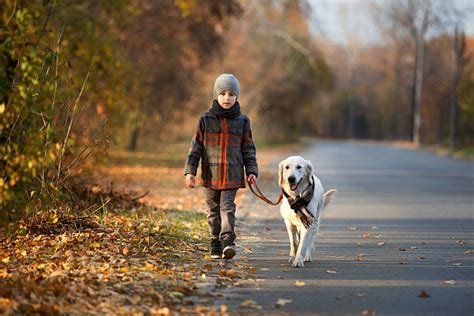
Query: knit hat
[{"x": 226, "y": 82}]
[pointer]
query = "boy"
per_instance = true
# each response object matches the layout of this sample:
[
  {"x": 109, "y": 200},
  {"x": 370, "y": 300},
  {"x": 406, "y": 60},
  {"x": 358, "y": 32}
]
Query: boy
[{"x": 223, "y": 142}]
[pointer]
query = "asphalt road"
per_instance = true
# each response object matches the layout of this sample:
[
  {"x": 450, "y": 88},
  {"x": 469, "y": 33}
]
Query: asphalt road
[{"x": 401, "y": 223}]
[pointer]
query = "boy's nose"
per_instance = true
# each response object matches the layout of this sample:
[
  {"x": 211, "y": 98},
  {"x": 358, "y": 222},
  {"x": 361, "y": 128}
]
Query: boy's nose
[{"x": 291, "y": 179}]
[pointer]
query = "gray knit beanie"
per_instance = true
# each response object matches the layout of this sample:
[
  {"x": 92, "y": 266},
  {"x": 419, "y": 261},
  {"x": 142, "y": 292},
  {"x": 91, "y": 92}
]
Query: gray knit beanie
[{"x": 226, "y": 82}]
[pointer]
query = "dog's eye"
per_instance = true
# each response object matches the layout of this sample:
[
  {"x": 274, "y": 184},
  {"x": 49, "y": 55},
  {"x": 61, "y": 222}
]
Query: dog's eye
[
  {"x": 298, "y": 167},
  {"x": 287, "y": 167}
]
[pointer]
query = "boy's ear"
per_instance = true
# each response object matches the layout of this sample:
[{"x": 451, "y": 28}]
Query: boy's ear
[{"x": 280, "y": 173}]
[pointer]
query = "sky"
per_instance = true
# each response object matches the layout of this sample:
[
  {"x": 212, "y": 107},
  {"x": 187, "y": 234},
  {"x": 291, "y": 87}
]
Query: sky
[{"x": 343, "y": 19}]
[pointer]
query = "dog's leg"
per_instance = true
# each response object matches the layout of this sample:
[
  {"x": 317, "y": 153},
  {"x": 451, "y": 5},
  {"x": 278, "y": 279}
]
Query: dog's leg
[
  {"x": 309, "y": 251},
  {"x": 291, "y": 229},
  {"x": 302, "y": 247}
]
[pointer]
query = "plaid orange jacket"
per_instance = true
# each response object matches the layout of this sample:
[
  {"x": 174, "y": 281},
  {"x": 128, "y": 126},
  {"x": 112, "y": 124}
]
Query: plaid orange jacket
[{"x": 225, "y": 147}]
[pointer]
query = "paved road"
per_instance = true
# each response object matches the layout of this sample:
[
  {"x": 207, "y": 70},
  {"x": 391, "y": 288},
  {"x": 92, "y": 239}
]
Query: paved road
[{"x": 402, "y": 222}]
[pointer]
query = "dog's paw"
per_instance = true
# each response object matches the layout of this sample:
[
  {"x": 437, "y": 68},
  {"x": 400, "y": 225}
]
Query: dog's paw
[
  {"x": 291, "y": 259},
  {"x": 308, "y": 259},
  {"x": 298, "y": 263}
]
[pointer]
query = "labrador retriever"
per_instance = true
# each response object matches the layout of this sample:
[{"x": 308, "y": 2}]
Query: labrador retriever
[{"x": 301, "y": 188}]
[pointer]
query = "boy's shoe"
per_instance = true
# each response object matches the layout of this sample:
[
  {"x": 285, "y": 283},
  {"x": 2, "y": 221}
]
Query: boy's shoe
[
  {"x": 216, "y": 249},
  {"x": 229, "y": 252}
]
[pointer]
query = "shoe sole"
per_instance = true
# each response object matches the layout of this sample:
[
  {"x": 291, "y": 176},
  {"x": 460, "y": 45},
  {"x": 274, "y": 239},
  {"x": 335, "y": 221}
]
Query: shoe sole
[{"x": 228, "y": 253}]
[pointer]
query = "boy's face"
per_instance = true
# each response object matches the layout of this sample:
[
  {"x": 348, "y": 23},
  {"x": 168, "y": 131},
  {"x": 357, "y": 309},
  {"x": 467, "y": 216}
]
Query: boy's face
[{"x": 226, "y": 99}]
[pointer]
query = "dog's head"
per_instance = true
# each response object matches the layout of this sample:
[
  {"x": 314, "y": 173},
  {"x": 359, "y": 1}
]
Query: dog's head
[{"x": 295, "y": 174}]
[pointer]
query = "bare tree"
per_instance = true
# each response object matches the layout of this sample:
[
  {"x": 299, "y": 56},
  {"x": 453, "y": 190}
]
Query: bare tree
[
  {"x": 415, "y": 17},
  {"x": 458, "y": 48}
]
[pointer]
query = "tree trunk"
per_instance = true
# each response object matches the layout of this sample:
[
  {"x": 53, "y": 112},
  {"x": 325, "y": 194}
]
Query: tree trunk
[
  {"x": 454, "y": 85},
  {"x": 420, "y": 56},
  {"x": 134, "y": 139}
]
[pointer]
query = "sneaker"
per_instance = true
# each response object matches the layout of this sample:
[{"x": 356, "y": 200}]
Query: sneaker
[
  {"x": 229, "y": 252},
  {"x": 216, "y": 249}
]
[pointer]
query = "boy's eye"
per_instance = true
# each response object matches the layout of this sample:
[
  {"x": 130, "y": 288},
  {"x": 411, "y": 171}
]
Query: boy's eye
[
  {"x": 298, "y": 167},
  {"x": 287, "y": 167}
]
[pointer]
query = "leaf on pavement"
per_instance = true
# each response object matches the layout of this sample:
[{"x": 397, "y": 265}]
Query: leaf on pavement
[
  {"x": 424, "y": 294},
  {"x": 381, "y": 243},
  {"x": 250, "y": 304},
  {"x": 331, "y": 271},
  {"x": 282, "y": 302},
  {"x": 449, "y": 282},
  {"x": 299, "y": 283}
]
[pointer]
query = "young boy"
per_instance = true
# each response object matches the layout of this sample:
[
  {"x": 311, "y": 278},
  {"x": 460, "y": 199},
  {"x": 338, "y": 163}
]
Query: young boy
[{"x": 223, "y": 142}]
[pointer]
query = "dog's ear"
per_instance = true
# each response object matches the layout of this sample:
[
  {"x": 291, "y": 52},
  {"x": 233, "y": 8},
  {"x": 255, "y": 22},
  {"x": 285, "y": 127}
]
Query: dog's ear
[
  {"x": 280, "y": 173},
  {"x": 309, "y": 168}
]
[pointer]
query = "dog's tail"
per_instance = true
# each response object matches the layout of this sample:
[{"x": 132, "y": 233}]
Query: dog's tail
[{"x": 328, "y": 196}]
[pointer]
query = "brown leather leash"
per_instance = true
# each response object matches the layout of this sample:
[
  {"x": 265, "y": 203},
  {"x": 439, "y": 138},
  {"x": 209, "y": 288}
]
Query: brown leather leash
[
  {"x": 262, "y": 196},
  {"x": 305, "y": 216}
]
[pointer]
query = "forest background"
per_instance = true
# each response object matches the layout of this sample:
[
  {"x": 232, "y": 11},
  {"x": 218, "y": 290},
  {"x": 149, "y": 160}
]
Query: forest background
[{"x": 80, "y": 78}]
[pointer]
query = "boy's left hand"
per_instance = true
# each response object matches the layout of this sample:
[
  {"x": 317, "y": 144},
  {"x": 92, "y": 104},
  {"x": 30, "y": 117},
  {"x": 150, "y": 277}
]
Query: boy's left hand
[{"x": 251, "y": 178}]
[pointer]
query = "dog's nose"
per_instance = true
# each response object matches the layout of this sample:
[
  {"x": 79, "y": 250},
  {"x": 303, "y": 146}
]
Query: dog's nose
[{"x": 291, "y": 179}]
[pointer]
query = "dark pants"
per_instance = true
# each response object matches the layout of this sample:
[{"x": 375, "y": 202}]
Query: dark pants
[{"x": 221, "y": 215}]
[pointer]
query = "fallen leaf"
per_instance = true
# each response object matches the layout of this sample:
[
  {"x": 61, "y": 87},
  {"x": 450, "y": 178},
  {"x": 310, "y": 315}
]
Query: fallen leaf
[
  {"x": 469, "y": 252},
  {"x": 462, "y": 242},
  {"x": 422, "y": 258},
  {"x": 402, "y": 249},
  {"x": 375, "y": 227},
  {"x": 224, "y": 308},
  {"x": 424, "y": 294},
  {"x": 94, "y": 244},
  {"x": 381, "y": 243},
  {"x": 366, "y": 235},
  {"x": 285, "y": 270},
  {"x": 449, "y": 282},
  {"x": 253, "y": 270},
  {"x": 208, "y": 267},
  {"x": 250, "y": 304},
  {"x": 125, "y": 251},
  {"x": 282, "y": 302},
  {"x": 247, "y": 249},
  {"x": 403, "y": 262},
  {"x": 264, "y": 269},
  {"x": 352, "y": 228},
  {"x": 457, "y": 264},
  {"x": 299, "y": 283},
  {"x": 159, "y": 311},
  {"x": 413, "y": 247},
  {"x": 331, "y": 271}
]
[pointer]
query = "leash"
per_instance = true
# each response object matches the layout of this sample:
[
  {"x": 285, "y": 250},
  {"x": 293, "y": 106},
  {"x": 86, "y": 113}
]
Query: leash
[
  {"x": 305, "y": 216},
  {"x": 262, "y": 196}
]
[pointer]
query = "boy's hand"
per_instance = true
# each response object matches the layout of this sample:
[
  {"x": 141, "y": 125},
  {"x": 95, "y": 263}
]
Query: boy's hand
[
  {"x": 190, "y": 180},
  {"x": 251, "y": 178}
]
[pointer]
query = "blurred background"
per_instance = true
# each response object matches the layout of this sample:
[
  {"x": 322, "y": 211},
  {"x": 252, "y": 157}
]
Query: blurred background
[{"x": 81, "y": 77}]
